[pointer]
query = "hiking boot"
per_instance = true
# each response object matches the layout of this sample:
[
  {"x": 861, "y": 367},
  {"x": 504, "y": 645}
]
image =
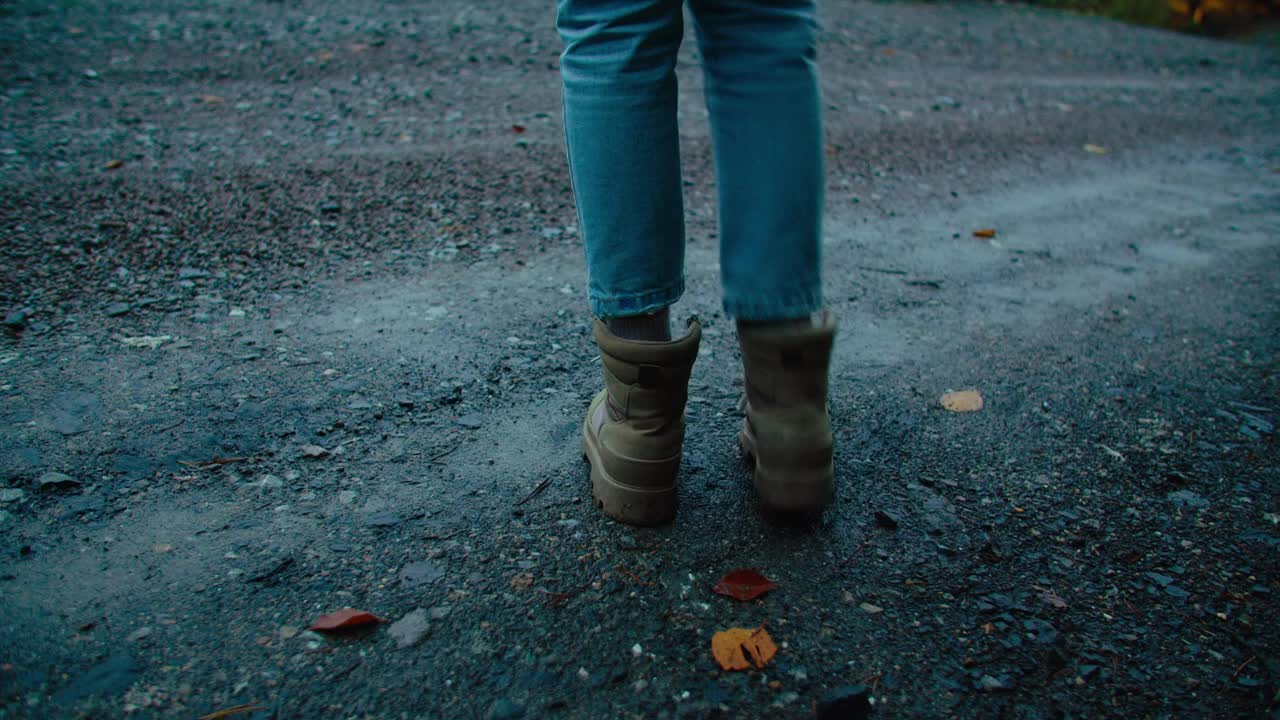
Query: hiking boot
[
  {"x": 787, "y": 432},
  {"x": 635, "y": 427}
]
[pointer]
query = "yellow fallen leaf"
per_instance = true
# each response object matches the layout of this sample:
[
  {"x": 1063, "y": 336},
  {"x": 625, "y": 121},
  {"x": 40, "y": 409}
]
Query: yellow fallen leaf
[
  {"x": 739, "y": 648},
  {"x": 113, "y": 165},
  {"x": 1095, "y": 149},
  {"x": 962, "y": 401},
  {"x": 211, "y": 99}
]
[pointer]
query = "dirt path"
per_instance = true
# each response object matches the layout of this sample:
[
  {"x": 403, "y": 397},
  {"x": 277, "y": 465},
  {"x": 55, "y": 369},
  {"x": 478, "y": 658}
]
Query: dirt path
[{"x": 349, "y": 279}]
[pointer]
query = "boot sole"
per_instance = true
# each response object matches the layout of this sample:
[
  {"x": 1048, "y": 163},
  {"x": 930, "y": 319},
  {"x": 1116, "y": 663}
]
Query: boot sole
[
  {"x": 792, "y": 492},
  {"x": 625, "y": 503}
]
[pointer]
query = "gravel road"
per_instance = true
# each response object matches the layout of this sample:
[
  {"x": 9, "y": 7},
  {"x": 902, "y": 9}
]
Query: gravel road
[{"x": 295, "y": 317}]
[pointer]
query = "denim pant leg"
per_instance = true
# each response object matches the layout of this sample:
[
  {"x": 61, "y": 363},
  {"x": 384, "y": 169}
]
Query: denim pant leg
[
  {"x": 759, "y": 58},
  {"x": 618, "y": 69}
]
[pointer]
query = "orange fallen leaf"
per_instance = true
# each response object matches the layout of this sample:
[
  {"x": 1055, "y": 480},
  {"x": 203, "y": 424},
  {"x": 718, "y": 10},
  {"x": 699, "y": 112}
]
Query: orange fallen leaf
[
  {"x": 739, "y": 648},
  {"x": 228, "y": 712},
  {"x": 345, "y": 619},
  {"x": 744, "y": 585},
  {"x": 962, "y": 401},
  {"x": 113, "y": 165},
  {"x": 985, "y": 233}
]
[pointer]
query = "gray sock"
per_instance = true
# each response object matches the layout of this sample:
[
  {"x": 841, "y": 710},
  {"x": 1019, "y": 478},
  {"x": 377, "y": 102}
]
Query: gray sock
[{"x": 654, "y": 327}]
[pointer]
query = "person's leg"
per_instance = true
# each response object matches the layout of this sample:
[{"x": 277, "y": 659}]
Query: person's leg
[
  {"x": 759, "y": 60},
  {"x": 618, "y": 69},
  {"x": 619, "y": 78},
  {"x": 762, "y": 93}
]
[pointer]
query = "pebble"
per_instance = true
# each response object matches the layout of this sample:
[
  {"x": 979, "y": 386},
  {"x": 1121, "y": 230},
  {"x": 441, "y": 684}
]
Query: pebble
[
  {"x": 9, "y": 495},
  {"x": 852, "y": 702},
  {"x": 117, "y": 309},
  {"x": 270, "y": 482},
  {"x": 1186, "y": 498},
  {"x": 139, "y": 634},
  {"x": 346, "y": 497},
  {"x": 471, "y": 421},
  {"x": 987, "y": 683},
  {"x": 504, "y": 709},
  {"x": 871, "y": 609},
  {"x": 17, "y": 317},
  {"x": 421, "y": 572},
  {"x": 410, "y": 629},
  {"x": 886, "y": 520},
  {"x": 383, "y": 518}
]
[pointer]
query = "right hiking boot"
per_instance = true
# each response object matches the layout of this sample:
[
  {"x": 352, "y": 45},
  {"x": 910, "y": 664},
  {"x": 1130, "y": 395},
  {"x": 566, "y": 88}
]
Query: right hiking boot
[
  {"x": 634, "y": 430},
  {"x": 787, "y": 431}
]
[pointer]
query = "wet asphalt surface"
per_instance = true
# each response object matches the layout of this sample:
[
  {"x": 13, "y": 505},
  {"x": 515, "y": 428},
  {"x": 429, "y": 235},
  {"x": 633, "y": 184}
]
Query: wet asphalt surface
[{"x": 295, "y": 322}]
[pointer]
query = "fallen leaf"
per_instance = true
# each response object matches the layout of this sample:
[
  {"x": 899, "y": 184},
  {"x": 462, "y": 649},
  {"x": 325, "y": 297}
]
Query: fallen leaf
[
  {"x": 324, "y": 56},
  {"x": 517, "y": 129},
  {"x": 962, "y": 401},
  {"x": 228, "y": 712},
  {"x": 985, "y": 233},
  {"x": 345, "y": 619},
  {"x": 744, "y": 585},
  {"x": 739, "y": 648},
  {"x": 113, "y": 165},
  {"x": 210, "y": 99},
  {"x": 522, "y": 581},
  {"x": 1095, "y": 149}
]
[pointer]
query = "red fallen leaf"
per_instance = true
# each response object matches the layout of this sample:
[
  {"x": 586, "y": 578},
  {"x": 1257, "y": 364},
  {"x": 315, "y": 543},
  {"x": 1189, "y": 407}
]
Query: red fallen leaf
[
  {"x": 517, "y": 129},
  {"x": 744, "y": 585},
  {"x": 344, "y": 620}
]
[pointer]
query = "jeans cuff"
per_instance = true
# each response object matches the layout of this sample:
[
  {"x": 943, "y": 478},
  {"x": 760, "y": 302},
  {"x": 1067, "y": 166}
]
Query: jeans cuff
[
  {"x": 781, "y": 307},
  {"x": 635, "y": 304}
]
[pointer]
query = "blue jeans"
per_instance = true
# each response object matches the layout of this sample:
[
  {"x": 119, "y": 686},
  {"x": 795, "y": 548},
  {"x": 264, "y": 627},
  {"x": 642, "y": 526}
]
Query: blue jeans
[{"x": 618, "y": 69}]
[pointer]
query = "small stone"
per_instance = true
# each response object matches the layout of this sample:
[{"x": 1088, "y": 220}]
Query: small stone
[
  {"x": 988, "y": 683},
  {"x": 331, "y": 208},
  {"x": 871, "y": 609},
  {"x": 138, "y": 634},
  {"x": 18, "y": 317},
  {"x": 420, "y": 573},
  {"x": 346, "y": 497},
  {"x": 313, "y": 451},
  {"x": 190, "y": 273},
  {"x": 844, "y": 703},
  {"x": 440, "y": 613},
  {"x": 288, "y": 632},
  {"x": 81, "y": 504},
  {"x": 383, "y": 518},
  {"x": 269, "y": 482},
  {"x": 117, "y": 309},
  {"x": 886, "y": 520},
  {"x": 1186, "y": 498},
  {"x": 504, "y": 709},
  {"x": 410, "y": 629},
  {"x": 9, "y": 495},
  {"x": 471, "y": 421}
]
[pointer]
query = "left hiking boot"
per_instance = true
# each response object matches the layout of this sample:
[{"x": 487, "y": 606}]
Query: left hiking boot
[{"x": 634, "y": 431}]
